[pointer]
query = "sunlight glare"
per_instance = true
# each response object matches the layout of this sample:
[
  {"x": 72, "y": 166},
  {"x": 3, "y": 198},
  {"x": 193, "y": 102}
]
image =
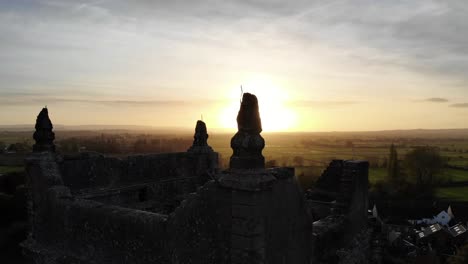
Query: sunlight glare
[{"x": 272, "y": 100}]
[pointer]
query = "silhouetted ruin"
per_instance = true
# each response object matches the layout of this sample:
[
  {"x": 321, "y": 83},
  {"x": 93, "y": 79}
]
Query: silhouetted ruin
[
  {"x": 247, "y": 144},
  {"x": 200, "y": 139},
  {"x": 44, "y": 136},
  {"x": 180, "y": 208}
]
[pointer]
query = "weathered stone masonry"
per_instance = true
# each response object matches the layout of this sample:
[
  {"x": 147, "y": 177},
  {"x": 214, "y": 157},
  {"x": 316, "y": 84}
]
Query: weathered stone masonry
[
  {"x": 96, "y": 209},
  {"x": 179, "y": 208}
]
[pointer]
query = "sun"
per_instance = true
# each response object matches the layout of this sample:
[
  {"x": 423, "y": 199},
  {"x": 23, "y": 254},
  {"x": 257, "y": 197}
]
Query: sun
[{"x": 274, "y": 113}]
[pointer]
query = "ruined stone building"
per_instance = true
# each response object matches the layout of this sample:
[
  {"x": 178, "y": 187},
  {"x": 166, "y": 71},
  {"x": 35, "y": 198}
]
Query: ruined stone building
[{"x": 180, "y": 208}]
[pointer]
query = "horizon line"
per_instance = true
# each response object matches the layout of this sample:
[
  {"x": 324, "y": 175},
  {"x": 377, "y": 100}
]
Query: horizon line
[{"x": 101, "y": 127}]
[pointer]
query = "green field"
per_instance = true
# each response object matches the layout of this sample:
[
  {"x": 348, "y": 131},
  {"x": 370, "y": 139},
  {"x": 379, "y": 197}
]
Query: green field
[
  {"x": 456, "y": 175},
  {"x": 453, "y": 193},
  {"x": 310, "y": 153},
  {"x": 446, "y": 193},
  {"x": 377, "y": 174}
]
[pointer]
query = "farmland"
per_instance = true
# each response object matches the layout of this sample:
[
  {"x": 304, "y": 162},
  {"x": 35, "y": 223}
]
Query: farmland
[{"x": 309, "y": 153}]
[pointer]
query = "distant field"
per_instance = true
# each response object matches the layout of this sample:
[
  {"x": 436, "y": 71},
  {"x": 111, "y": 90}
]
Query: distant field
[
  {"x": 456, "y": 175},
  {"x": 311, "y": 153},
  {"x": 377, "y": 174},
  {"x": 14, "y": 137},
  {"x": 453, "y": 193}
]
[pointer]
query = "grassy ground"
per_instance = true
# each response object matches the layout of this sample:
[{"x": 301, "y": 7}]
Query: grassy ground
[
  {"x": 453, "y": 193},
  {"x": 447, "y": 193},
  {"x": 317, "y": 150},
  {"x": 377, "y": 174},
  {"x": 456, "y": 175}
]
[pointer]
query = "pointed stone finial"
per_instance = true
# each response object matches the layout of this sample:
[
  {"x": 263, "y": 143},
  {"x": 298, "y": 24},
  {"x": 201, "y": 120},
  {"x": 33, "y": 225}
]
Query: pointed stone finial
[
  {"x": 200, "y": 139},
  {"x": 247, "y": 144},
  {"x": 44, "y": 136}
]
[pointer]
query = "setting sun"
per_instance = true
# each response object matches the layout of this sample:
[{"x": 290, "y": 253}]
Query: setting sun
[{"x": 272, "y": 100}]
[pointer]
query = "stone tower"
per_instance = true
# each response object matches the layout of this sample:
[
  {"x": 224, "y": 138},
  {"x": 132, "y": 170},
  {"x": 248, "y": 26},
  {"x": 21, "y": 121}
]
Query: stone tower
[
  {"x": 269, "y": 221},
  {"x": 247, "y": 213}
]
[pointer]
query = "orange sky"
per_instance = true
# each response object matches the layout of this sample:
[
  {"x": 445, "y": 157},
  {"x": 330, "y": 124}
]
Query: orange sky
[{"x": 315, "y": 66}]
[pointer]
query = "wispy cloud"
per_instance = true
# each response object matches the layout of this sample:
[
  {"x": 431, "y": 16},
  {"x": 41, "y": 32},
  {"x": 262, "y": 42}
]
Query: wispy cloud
[
  {"x": 141, "y": 54},
  {"x": 321, "y": 104},
  {"x": 436, "y": 100},
  {"x": 117, "y": 103},
  {"x": 419, "y": 36},
  {"x": 461, "y": 105}
]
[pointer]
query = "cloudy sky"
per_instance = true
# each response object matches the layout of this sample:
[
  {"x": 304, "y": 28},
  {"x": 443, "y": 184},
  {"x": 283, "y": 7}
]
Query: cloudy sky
[{"x": 315, "y": 65}]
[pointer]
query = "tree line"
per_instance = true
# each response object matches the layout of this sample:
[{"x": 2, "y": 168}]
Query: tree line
[{"x": 416, "y": 174}]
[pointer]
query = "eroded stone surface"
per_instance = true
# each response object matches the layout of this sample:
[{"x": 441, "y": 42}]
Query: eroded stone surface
[{"x": 97, "y": 209}]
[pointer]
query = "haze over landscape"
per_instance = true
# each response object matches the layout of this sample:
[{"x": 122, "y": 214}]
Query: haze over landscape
[{"x": 315, "y": 66}]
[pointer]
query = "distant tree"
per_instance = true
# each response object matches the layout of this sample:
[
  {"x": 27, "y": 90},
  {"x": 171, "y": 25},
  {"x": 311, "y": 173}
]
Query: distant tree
[
  {"x": 2, "y": 146},
  {"x": 423, "y": 164},
  {"x": 461, "y": 257},
  {"x": 392, "y": 165}
]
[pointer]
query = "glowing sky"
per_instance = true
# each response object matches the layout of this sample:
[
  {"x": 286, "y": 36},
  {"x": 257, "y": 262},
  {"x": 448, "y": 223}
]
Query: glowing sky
[{"x": 315, "y": 65}]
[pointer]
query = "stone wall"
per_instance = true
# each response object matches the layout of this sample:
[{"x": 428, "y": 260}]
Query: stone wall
[
  {"x": 242, "y": 216},
  {"x": 157, "y": 182},
  {"x": 330, "y": 178},
  {"x": 201, "y": 227},
  {"x": 343, "y": 189},
  {"x": 347, "y": 215},
  {"x": 357, "y": 173},
  {"x": 80, "y": 223},
  {"x": 164, "y": 208},
  {"x": 256, "y": 218},
  {"x": 87, "y": 171},
  {"x": 84, "y": 231},
  {"x": 90, "y": 171}
]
